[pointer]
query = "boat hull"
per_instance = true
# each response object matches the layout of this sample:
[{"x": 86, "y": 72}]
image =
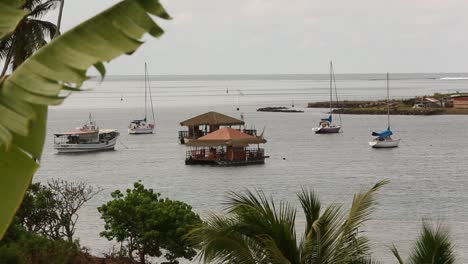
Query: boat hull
[
  {"x": 326, "y": 130},
  {"x": 80, "y": 148},
  {"x": 392, "y": 143},
  {"x": 137, "y": 131}
]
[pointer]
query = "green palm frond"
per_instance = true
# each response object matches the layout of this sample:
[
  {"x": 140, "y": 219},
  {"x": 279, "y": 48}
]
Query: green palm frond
[
  {"x": 433, "y": 246},
  {"x": 363, "y": 260},
  {"x": 266, "y": 222},
  {"x": 310, "y": 203},
  {"x": 45, "y": 27},
  {"x": 256, "y": 230},
  {"x": 363, "y": 205},
  {"x": 322, "y": 246},
  {"x": 219, "y": 241},
  {"x": 41, "y": 9},
  {"x": 40, "y": 81},
  {"x": 396, "y": 254}
]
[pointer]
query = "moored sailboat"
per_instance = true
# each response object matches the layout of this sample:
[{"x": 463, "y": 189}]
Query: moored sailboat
[
  {"x": 326, "y": 125},
  {"x": 142, "y": 126},
  {"x": 383, "y": 139}
]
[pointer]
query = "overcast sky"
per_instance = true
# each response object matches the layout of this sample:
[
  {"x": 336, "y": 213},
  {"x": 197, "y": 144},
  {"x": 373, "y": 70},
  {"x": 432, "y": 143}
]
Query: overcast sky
[{"x": 298, "y": 36}]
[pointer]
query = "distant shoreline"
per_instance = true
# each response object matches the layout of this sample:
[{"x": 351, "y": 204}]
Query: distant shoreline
[{"x": 424, "y": 105}]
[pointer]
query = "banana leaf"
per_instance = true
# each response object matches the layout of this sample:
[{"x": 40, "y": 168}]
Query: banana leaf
[{"x": 47, "y": 77}]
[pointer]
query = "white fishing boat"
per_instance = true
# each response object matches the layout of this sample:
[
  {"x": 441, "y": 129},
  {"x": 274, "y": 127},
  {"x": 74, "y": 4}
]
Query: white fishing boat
[
  {"x": 383, "y": 139},
  {"x": 87, "y": 138},
  {"x": 326, "y": 125},
  {"x": 142, "y": 126}
]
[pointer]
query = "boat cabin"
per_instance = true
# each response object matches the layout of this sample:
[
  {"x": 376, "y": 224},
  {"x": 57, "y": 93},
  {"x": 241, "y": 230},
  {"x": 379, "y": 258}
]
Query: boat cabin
[
  {"x": 206, "y": 123},
  {"x": 226, "y": 147},
  {"x": 85, "y": 136}
]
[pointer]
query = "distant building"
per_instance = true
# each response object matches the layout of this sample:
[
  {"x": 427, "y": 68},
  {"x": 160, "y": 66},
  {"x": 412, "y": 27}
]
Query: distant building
[
  {"x": 460, "y": 101},
  {"x": 427, "y": 102},
  {"x": 432, "y": 102}
]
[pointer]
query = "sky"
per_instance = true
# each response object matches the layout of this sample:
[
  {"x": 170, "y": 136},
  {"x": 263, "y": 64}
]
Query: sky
[{"x": 296, "y": 36}]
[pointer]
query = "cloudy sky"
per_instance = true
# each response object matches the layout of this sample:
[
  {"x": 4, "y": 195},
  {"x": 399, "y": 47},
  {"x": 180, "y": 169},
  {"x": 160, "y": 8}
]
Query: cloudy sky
[{"x": 298, "y": 36}]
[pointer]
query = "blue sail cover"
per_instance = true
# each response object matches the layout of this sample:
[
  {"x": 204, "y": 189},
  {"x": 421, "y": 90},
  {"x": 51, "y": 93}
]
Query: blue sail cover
[
  {"x": 383, "y": 134},
  {"x": 329, "y": 119}
]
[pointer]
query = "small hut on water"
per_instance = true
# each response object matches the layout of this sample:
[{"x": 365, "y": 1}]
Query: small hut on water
[
  {"x": 206, "y": 123},
  {"x": 226, "y": 147}
]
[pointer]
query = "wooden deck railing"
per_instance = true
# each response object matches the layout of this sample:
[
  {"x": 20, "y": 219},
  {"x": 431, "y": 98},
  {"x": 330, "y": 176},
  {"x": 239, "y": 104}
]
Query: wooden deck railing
[
  {"x": 207, "y": 154},
  {"x": 185, "y": 134}
]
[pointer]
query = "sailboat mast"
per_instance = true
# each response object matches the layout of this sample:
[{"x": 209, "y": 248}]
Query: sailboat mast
[
  {"x": 146, "y": 81},
  {"x": 151, "y": 100},
  {"x": 331, "y": 80},
  {"x": 388, "y": 101}
]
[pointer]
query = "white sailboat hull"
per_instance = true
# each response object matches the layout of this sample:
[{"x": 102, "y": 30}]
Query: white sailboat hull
[
  {"x": 327, "y": 130},
  {"x": 387, "y": 143},
  {"x": 141, "y": 130},
  {"x": 92, "y": 147}
]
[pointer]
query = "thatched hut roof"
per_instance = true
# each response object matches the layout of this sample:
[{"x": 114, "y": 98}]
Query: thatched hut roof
[
  {"x": 212, "y": 118},
  {"x": 226, "y": 136}
]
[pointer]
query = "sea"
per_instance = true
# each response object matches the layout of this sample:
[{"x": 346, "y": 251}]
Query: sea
[{"x": 427, "y": 172}]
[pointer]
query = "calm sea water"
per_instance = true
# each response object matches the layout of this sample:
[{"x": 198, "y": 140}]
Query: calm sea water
[{"x": 427, "y": 172}]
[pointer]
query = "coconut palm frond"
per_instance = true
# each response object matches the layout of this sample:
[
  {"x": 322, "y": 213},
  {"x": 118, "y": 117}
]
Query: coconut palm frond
[
  {"x": 361, "y": 208},
  {"x": 273, "y": 253},
  {"x": 5, "y": 46},
  {"x": 258, "y": 230},
  {"x": 362, "y": 260},
  {"x": 433, "y": 246},
  {"x": 219, "y": 242},
  {"x": 263, "y": 219},
  {"x": 328, "y": 230},
  {"x": 310, "y": 203},
  {"x": 45, "y": 27},
  {"x": 397, "y": 254},
  {"x": 41, "y": 9}
]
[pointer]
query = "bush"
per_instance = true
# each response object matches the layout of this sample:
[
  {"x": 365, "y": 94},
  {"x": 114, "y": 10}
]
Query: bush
[
  {"x": 20, "y": 246},
  {"x": 147, "y": 225},
  {"x": 10, "y": 255}
]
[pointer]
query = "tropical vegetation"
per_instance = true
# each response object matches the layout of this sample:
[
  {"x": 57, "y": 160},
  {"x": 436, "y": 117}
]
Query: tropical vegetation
[
  {"x": 51, "y": 209},
  {"x": 37, "y": 232},
  {"x": 256, "y": 229},
  {"x": 433, "y": 246},
  {"x": 49, "y": 75},
  {"x": 29, "y": 35},
  {"x": 147, "y": 225}
]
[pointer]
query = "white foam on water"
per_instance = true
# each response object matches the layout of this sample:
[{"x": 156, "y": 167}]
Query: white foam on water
[{"x": 453, "y": 78}]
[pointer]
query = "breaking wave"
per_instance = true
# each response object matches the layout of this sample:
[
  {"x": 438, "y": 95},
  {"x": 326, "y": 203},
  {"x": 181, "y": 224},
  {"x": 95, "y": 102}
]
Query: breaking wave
[{"x": 453, "y": 78}]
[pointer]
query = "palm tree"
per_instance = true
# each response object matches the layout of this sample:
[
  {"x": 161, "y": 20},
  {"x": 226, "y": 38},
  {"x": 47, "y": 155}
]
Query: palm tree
[
  {"x": 433, "y": 246},
  {"x": 29, "y": 35},
  {"x": 59, "y": 66},
  {"x": 59, "y": 19},
  {"x": 256, "y": 230}
]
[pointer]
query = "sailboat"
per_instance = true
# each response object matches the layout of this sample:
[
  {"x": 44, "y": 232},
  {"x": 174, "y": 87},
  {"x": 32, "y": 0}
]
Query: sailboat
[
  {"x": 142, "y": 126},
  {"x": 326, "y": 125},
  {"x": 383, "y": 139}
]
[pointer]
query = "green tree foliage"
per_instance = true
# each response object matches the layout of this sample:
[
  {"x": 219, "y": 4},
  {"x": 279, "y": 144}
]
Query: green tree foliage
[
  {"x": 37, "y": 209},
  {"x": 148, "y": 225},
  {"x": 56, "y": 68},
  {"x": 433, "y": 246},
  {"x": 258, "y": 230},
  {"x": 52, "y": 210},
  {"x": 22, "y": 247},
  {"x": 30, "y": 34}
]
